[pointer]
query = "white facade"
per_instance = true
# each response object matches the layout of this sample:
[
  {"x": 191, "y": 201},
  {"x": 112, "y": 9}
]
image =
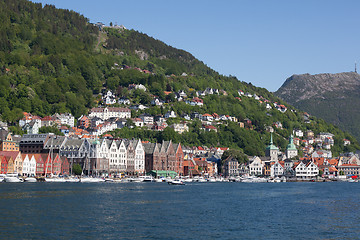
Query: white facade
[
  {"x": 67, "y": 119},
  {"x": 170, "y": 114},
  {"x": 29, "y": 165},
  {"x": 139, "y": 161},
  {"x": 147, "y": 119},
  {"x": 114, "y": 157},
  {"x": 106, "y": 113},
  {"x": 256, "y": 166},
  {"x": 306, "y": 170},
  {"x": 276, "y": 170},
  {"x": 299, "y": 133},
  {"x": 180, "y": 127},
  {"x": 122, "y": 157}
]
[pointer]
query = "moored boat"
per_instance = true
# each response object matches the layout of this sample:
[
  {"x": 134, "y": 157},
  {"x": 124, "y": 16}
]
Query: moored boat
[
  {"x": 176, "y": 182},
  {"x": 91, "y": 180},
  {"x": 13, "y": 178},
  {"x": 147, "y": 178},
  {"x": 30, "y": 179}
]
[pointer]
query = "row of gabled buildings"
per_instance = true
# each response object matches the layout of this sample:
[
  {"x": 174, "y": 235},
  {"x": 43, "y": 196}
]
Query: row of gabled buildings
[
  {"x": 105, "y": 156},
  {"x": 276, "y": 164},
  {"x": 33, "y": 164}
]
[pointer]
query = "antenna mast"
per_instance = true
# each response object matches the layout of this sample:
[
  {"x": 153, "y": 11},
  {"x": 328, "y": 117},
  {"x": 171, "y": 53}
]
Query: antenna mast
[{"x": 355, "y": 67}]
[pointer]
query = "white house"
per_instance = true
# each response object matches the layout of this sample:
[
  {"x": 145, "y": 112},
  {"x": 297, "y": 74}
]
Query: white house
[
  {"x": 268, "y": 106},
  {"x": 276, "y": 170},
  {"x": 255, "y": 166},
  {"x": 157, "y": 102},
  {"x": 32, "y": 127},
  {"x": 29, "y": 165},
  {"x": 170, "y": 114},
  {"x": 147, "y": 119},
  {"x": 109, "y": 112},
  {"x": 306, "y": 170},
  {"x": 299, "y": 133},
  {"x": 180, "y": 127},
  {"x": 140, "y": 86},
  {"x": 124, "y": 101},
  {"x": 207, "y": 117},
  {"x": 138, "y": 122}
]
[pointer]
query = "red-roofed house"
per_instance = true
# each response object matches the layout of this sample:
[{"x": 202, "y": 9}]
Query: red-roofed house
[
  {"x": 207, "y": 117},
  {"x": 209, "y": 128}
]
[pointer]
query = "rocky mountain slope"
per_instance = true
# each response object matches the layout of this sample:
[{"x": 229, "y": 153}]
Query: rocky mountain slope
[{"x": 333, "y": 97}]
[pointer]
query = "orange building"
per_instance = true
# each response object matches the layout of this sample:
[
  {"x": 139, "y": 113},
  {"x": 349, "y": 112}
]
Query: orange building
[{"x": 6, "y": 141}]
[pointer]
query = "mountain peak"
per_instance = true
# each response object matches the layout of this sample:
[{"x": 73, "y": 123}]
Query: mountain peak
[
  {"x": 331, "y": 96},
  {"x": 306, "y": 86}
]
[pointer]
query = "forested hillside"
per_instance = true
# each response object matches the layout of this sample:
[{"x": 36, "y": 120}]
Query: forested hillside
[{"x": 55, "y": 61}]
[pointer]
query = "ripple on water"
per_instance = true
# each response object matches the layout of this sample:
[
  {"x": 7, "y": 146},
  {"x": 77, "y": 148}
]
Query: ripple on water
[{"x": 193, "y": 211}]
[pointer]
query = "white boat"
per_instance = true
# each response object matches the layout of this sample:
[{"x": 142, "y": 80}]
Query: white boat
[
  {"x": 137, "y": 180},
  {"x": 212, "y": 179},
  {"x": 252, "y": 179},
  {"x": 158, "y": 180},
  {"x": 188, "y": 180},
  {"x": 109, "y": 180},
  {"x": 55, "y": 179},
  {"x": 201, "y": 179},
  {"x": 176, "y": 182},
  {"x": 72, "y": 180},
  {"x": 277, "y": 180},
  {"x": 352, "y": 180},
  {"x": 147, "y": 178},
  {"x": 30, "y": 179},
  {"x": 91, "y": 180},
  {"x": 2, "y": 177},
  {"x": 13, "y": 177}
]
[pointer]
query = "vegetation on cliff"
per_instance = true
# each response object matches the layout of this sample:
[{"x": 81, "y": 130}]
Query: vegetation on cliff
[{"x": 55, "y": 61}]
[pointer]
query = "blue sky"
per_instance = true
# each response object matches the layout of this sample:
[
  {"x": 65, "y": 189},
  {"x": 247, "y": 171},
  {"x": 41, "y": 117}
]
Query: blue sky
[{"x": 258, "y": 41}]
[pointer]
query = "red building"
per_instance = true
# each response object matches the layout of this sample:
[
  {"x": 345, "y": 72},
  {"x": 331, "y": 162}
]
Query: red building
[
  {"x": 40, "y": 165},
  {"x": 4, "y": 163},
  {"x": 65, "y": 166},
  {"x": 179, "y": 159},
  {"x": 189, "y": 167},
  {"x": 56, "y": 165}
]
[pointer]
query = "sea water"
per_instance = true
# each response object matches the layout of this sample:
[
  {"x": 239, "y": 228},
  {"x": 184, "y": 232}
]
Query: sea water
[{"x": 194, "y": 211}]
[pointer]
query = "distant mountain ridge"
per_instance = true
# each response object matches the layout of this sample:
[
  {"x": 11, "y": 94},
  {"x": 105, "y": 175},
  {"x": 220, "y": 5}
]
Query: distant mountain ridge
[{"x": 333, "y": 97}]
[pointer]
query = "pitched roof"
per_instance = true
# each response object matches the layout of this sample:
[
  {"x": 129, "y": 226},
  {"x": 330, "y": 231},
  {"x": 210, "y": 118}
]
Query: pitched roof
[{"x": 12, "y": 154}]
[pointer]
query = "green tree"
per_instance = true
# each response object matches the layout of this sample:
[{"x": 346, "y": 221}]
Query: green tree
[{"x": 76, "y": 169}]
